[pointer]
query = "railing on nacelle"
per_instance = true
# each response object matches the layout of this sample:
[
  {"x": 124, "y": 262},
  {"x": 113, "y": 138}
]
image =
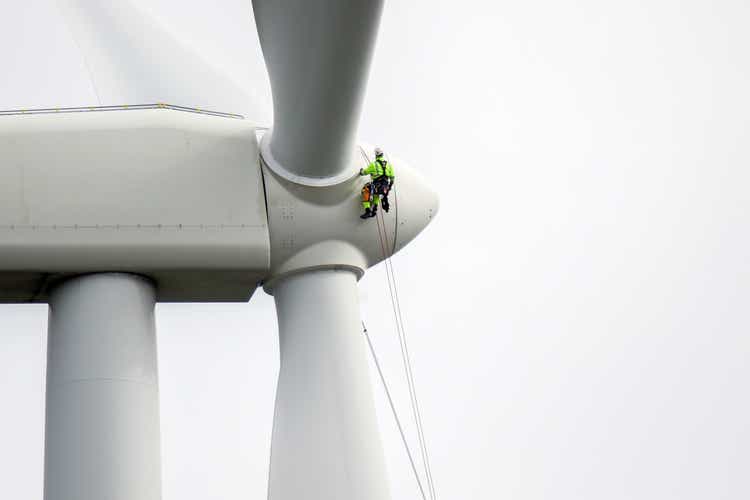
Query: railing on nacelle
[{"x": 123, "y": 107}]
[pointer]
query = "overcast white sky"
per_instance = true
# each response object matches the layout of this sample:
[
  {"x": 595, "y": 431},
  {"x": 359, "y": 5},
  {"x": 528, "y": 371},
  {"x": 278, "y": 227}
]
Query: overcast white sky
[{"x": 579, "y": 311}]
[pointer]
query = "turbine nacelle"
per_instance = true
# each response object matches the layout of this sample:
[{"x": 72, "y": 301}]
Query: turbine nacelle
[{"x": 211, "y": 220}]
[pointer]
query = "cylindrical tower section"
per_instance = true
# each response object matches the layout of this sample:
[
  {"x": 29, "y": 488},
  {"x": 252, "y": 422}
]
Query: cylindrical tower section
[
  {"x": 326, "y": 444},
  {"x": 102, "y": 425}
]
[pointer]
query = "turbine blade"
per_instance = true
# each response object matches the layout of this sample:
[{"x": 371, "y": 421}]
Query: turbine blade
[
  {"x": 318, "y": 55},
  {"x": 133, "y": 59},
  {"x": 325, "y": 442}
]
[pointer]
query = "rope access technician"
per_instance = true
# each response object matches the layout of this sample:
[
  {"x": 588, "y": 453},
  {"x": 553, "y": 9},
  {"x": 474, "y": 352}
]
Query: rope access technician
[{"x": 381, "y": 182}]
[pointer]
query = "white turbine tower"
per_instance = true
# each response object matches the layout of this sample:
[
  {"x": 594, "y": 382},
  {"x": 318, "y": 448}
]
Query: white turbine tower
[{"x": 104, "y": 211}]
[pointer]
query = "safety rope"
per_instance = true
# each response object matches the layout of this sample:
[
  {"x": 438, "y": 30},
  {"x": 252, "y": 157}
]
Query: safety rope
[
  {"x": 393, "y": 410},
  {"x": 408, "y": 367},
  {"x": 406, "y": 358}
]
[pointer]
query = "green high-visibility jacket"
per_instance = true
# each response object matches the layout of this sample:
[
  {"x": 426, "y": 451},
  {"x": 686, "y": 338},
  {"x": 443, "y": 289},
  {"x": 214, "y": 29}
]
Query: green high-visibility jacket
[{"x": 376, "y": 170}]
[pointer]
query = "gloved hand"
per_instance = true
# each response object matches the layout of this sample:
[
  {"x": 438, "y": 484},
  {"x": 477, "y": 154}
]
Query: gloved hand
[{"x": 361, "y": 171}]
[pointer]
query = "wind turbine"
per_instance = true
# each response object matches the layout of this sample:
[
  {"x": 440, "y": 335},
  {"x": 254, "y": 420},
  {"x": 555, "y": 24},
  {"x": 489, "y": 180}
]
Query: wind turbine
[{"x": 105, "y": 211}]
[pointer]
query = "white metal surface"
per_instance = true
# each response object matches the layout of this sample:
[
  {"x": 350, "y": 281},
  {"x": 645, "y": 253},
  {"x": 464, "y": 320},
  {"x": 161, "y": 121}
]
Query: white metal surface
[
  {"x": 174, "y": 195},
  {"x": 319, "y": 227},
  {"x": 416, "y": 202},
  {"x": 326, "y": 444},
  {"x": 102, "y": 436},
  {"x": 179, "y": 200},
  {"x": 318, "y": 58}
]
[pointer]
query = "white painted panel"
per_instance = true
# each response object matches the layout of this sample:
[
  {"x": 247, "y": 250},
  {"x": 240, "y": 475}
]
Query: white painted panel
[{"x": 157, "y": 191}]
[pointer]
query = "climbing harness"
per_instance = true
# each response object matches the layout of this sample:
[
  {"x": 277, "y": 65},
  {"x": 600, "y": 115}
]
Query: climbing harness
[
  {"x": 390, "y": 274},
  {"x": 378, "y": 188}
]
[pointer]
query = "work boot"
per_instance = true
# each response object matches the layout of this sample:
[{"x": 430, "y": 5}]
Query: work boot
[
  {"x": 374, "y": 211},
  {"x": 367, "y": 214}
]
